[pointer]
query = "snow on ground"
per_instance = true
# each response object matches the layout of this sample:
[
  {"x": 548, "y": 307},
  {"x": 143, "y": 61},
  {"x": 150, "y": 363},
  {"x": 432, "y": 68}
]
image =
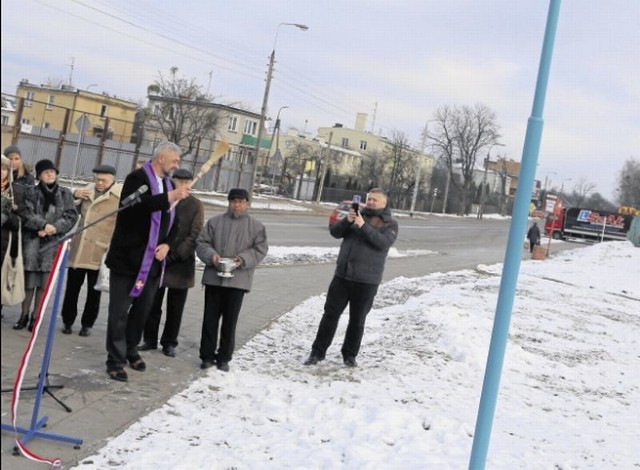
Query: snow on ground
[{"x": 569, "y": 397}]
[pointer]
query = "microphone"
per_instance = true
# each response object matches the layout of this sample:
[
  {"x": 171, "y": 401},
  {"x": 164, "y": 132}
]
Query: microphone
[{"x": 135, "y": 197}]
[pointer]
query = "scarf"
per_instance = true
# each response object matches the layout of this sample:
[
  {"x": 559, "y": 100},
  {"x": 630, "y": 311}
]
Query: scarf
[
  {"x": 49, "y": 192},
  {"x": 154, "y": 233}
]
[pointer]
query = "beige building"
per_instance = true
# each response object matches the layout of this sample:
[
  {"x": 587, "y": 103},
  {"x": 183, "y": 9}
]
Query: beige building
[
  {"x": 61, "y": 109},
  {"x": 358, "y": 142}
]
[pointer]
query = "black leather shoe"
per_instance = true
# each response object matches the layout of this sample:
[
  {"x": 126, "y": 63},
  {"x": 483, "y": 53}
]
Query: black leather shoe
[
  {"x": 169, "y": 351},
  {"x": 223, "y": 366},
  {"x": 206, "y": 365},
  {"x": 32, "y": 323},
  {"x": 66, "y": 329},
  {"x": 21, "y": 323},
  {"x": 350, "y": 362},
  {"x": 147, "y": 347},
  {"x": 84, "y": 331},
  {"x": 312, "y": 360}
]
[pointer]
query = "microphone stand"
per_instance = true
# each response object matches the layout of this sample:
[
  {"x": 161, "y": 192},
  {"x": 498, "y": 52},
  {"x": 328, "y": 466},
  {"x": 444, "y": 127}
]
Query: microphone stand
[{"x": 43, "y": 378}]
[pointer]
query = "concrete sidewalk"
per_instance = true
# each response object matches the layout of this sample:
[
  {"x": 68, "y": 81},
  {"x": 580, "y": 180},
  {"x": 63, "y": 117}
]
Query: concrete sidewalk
[{"x": 103, "y": 408}]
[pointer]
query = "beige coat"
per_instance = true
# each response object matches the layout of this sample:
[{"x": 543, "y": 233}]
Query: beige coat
[{"x": 88, "y": 246}]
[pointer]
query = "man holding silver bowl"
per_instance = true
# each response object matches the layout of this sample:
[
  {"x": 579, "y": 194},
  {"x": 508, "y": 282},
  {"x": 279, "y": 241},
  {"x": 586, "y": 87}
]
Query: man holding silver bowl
[{"x": 230, "y": 245}]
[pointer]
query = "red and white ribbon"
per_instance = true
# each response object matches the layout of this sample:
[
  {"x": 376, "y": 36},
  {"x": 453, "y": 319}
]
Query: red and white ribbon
[{"x": 17, "y": 385}]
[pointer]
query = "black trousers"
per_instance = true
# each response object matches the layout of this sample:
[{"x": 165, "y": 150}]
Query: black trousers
[
  {"x": 221, "y": 310},
  {"x": 341, "y": 292},
  {"x": 176, "y": 299},
  {"x": 75, "y": 280},
  {"x": 127, "y": 317}
]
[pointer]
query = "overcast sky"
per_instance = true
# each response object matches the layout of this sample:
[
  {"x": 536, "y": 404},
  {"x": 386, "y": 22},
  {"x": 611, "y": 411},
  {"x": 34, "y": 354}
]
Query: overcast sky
[{"x": 396, "y": 60}]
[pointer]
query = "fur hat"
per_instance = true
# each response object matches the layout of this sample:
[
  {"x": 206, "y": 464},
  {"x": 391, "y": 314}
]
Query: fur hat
[
  {"x": 12, "y": 149},
  {"x": 238, "y": 193},
  {"x": 44, "y": 165}
]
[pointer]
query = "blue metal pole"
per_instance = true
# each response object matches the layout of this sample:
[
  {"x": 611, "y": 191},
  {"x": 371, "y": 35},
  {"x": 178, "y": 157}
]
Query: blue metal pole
[{"x": 513, "y": 254}]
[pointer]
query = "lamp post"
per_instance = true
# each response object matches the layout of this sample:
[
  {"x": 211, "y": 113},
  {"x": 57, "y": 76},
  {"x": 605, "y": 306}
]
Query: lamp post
[{"x": 265, "y": 102}]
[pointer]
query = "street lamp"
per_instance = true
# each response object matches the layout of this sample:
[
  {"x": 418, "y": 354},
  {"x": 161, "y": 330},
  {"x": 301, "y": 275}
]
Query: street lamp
[{"x": 265, "y": 101}]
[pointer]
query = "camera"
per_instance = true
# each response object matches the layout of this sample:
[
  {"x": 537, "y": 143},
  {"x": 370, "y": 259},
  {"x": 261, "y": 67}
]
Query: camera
[{"x": 355, "y": 203}]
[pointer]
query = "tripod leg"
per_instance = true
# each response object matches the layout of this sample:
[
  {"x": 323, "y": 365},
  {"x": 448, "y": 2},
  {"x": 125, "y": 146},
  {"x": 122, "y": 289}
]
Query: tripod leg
[{"x": 60, "y": 402}]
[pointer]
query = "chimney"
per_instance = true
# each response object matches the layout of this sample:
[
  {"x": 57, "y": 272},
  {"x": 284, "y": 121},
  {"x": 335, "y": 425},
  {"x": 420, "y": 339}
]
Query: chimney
[{"x": 361, "y": 122}]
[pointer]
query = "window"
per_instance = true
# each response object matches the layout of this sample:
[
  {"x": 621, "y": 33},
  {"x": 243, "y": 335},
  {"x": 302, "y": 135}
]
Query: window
[
  {"x": 25, "y": 121},
  {"x": 50, "y": 101},
  {"x": 103, "y": 111},
  {"x": 46, "y": 125},
  {"x": 157, "y": 110},
  {"x": 363, "y": 145},
  {"x": 233, "y": 124},
  {"x": 345, "y": 142},
  {"x": 250, "y": 127},
  {"x": 28, "y": 99},
  {"x": 5, "y": 120}
]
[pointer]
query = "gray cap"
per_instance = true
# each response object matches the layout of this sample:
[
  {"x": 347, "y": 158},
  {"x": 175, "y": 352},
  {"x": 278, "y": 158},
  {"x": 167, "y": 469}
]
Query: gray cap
[{"x": 105, "y": 169}]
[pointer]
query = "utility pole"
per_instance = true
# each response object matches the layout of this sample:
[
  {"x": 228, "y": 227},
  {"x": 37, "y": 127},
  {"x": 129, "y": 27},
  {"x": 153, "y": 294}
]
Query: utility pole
[
  {"x": 73, "y": 59},
  {"x": 325, "y": 166}
]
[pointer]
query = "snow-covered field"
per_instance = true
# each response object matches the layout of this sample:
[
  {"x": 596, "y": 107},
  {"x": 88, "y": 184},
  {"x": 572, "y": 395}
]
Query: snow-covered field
[{"x": 569, "y": 397}]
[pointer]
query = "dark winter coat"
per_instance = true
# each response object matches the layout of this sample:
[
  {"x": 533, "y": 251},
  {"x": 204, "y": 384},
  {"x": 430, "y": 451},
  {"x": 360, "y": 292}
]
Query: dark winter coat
[
  {"x": 12, "y": 204},
  {"x": 363, "y": 251},
  {"x": 62, "y": 215},
  {"x": 229, "y": 235},
  {"x": 180, "y": 270},
  {"x": 534, "y": 235},
  {"x": 133, "y": 224}
]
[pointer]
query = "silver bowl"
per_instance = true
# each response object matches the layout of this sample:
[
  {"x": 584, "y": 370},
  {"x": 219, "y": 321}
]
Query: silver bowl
[{"x": 226, "y": 265}]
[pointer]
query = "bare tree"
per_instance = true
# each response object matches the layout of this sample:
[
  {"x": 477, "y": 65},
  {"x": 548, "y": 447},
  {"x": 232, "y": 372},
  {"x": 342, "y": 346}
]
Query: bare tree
[
  {"x": 629, "y": 184},
  {"x": 459, "y": 134},
  {"x": 581, "y": 191},
  {"x": 182, "y": 111},
  {"x": 372, "y": 170},
  {"x": 402, "y": 162},
  {"x": 55, "y": 82}
]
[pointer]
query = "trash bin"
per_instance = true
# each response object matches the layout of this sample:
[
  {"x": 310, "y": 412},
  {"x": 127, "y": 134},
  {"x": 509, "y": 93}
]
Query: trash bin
[{"x": 539, "y": 252}]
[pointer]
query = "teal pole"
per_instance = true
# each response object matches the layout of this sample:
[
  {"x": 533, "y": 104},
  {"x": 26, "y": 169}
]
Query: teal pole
[{"x": 513, "y": 255}]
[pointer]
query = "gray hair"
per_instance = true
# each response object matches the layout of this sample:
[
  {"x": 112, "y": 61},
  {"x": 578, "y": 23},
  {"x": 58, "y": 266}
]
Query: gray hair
[
  {"x": 166, "y": 146},
  {"x": 379, "y": 191}
]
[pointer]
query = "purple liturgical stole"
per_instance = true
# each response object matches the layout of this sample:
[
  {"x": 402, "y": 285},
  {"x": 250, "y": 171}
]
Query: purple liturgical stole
[{"x": 154, "y": 233}]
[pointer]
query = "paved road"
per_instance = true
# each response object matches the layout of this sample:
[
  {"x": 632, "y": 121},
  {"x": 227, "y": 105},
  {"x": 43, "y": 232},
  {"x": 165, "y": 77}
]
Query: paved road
[{"x": 103, "y": 408}]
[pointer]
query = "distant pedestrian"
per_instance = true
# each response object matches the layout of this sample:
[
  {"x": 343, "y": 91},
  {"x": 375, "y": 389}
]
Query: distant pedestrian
[
  {"x": 239, "y": 236},
  {"x": 180, "y": 273},
  {"x": 95, "y": 201},
  {"x": 534, "y": 236},
  {"x": 49, "y": 213},
  {"x": 366, "y": 236}
]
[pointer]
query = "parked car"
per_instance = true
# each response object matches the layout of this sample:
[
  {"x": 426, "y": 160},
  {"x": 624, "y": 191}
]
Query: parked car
[{"x": 341, "y": 211}]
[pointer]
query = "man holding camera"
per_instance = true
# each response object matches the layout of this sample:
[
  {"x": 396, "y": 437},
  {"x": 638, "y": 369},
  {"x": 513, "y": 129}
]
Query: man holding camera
[{"x": 366, "y": 239}]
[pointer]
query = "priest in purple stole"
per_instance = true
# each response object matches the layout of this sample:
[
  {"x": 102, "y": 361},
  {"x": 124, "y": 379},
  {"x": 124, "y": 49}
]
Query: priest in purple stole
[{"x": 136, "y": 255}]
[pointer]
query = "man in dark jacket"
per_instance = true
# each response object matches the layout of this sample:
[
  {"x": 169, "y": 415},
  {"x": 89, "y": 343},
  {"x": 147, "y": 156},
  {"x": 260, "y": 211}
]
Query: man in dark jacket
[
  {"x": 180, "y": 273},
  {"x": 241, "y": 238},
  {"x": 534, "y": 236},
  {"x": 366, "y": 239},
  {"x": 136, "y": 255}
]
